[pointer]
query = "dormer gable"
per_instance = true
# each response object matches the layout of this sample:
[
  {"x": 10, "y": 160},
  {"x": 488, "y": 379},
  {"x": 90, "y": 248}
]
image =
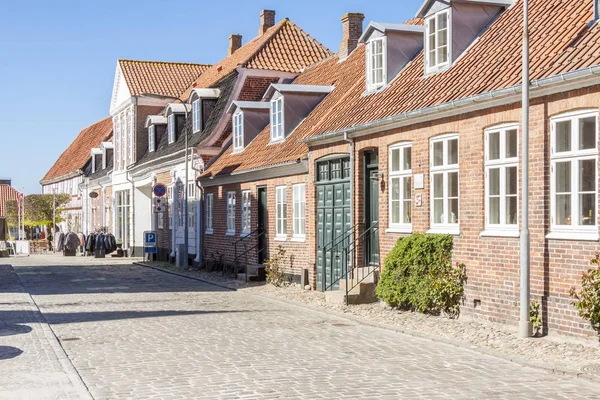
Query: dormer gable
[
  {"x": 249, "y": 118},
  {"x": 290, "y": 104},
  {"x": 202, "y": 100},
  {"x": 451, "y": 26},
  {"x": 389, "y": 48},
  {"x": 176, "y": 116}
]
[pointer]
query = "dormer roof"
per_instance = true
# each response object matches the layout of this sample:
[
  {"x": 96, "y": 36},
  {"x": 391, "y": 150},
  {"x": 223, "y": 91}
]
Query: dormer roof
[
  {"x": 155, "y": 120},
  {"x": 256, "y": 105},
  {"x": 206, "y": 93},
  {"x": 387, "y": 27},
  {"x": 96, "y": 151},
  {"x": 106, "y": 145},
  {"x": 427, "y": 4},
  {"x": 291, "y": 88},
  {"x": 178, "y": 108}
]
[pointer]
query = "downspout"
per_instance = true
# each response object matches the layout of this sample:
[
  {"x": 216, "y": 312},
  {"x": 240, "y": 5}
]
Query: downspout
[
  {"x": 175, "y": 208},
  {"x": 132, "y": 206},
  {"x": 351, "y": 141},
  {"x": 199, "y": 221}
]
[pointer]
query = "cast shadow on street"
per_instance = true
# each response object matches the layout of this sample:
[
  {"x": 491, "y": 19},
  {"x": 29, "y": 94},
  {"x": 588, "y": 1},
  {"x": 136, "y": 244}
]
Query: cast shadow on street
[
  {"x": 8, "y": 352},
  {"x": 10, "y": 329}
]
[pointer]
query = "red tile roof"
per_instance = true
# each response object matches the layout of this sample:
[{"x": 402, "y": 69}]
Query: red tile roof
[
  {"x": 284, "y": 47},
  {"x": 7, "y": 192},
  {"x": 561, "y": 41},
  {"x": 78, "y": 153},
  {"x": 164, "y": 78}
]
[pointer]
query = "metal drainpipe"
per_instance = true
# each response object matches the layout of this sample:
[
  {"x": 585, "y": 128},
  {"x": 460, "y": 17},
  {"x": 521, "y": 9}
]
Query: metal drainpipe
[
  {"x": 351, "y": 141},
  {"x": 132, "y": 207},
  {"x": 199, "y": 230}
]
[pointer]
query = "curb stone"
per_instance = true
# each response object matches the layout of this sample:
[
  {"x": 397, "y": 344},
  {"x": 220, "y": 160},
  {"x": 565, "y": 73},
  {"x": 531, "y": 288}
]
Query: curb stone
[{"x": 362, "y": 321}]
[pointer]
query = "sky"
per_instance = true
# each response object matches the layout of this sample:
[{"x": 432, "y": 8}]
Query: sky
[{"x": 58, "y": 58}]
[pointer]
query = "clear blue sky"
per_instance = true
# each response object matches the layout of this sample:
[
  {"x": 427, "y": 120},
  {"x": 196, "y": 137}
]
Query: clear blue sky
[{"x": 58, "y": 58}]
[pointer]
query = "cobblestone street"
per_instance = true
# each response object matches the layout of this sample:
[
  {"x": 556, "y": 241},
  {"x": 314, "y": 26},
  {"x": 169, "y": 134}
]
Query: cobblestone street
[{"x": 135, "y": 333}]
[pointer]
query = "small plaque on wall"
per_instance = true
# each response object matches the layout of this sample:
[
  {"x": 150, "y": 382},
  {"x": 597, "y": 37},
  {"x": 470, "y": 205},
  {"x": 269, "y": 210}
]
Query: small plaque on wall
[
  {"x": 419, "y": 183},
  {"x": 418, "y": 200}
]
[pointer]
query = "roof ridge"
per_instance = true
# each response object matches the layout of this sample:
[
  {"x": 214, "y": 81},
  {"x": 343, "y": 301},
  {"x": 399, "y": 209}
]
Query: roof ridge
[
  {"x": 164, "y": 62},
  {"x": 276, "y": 29}
]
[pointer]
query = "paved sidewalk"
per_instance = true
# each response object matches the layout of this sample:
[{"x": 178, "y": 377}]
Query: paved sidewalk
[
  {"x": 137, "y": 333},
  {"x": 32, "y": 363}
]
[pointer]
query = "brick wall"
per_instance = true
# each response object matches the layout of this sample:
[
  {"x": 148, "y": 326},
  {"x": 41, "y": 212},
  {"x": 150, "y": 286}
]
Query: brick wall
[
  {"x": 164, "y": 235},
  {"x": 492, "y": 262},
  {"x": 218, "y": 243}
]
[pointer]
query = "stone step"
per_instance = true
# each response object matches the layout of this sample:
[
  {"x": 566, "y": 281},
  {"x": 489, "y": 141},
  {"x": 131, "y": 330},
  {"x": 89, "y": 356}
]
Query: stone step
[
  {"x": 256, "y": 273},
  {"x": 363, "y": 293}
]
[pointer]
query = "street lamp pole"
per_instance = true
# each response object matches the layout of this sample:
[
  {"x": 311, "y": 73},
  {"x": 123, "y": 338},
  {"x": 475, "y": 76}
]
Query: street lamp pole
[
  {"x": 54, "y": 217},
  {"x": 185, "y": 186}
]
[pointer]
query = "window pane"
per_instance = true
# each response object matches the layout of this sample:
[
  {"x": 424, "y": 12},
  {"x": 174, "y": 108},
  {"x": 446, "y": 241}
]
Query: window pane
[
  {"x": 453, "y": 151},
  {"x": 511, "y": 210},
  {"x": 511, "y": 143},
  {"x": 494, "y": 185},
  {"x": 396, "y": 189},
  {"x": 563, "y": 209},
  {"x": 407, "y": 159},
  {"x": 453, "y": 215},
  {"x": 453, "y": 184},
  {"x": 395, "y": 162},
  {"x": 563, "y": 177},
  {"x": 494, "y": 213},
  {"x": 587, "y": 133},
  {"x": 563, "y": 136},
  {"x": 494, "y": 146},
  {"x": 406, "y": 190},
  {"x": 511, "y": 180},
  {"x": 587, "y": 209},
  {"x": 442, "y": 20},
  {"x": 587, "y": 176},
  {"x": 407, "y": 216},
  {"x": 438, "y": 153},
  {"x": 438, "y": 211},
  {"x": 438, "y": 186},
  {"x": 442, "y": 53}
]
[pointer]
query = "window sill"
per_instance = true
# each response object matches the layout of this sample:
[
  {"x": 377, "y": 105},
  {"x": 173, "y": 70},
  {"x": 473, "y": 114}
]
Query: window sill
[
  {"x": 280, "y": 238},
  {"x": 299, "y": 239},
  {"x": 399, "y": 230},
  {"x": 230, "y": 233},
  {"x": 574, "y": 235},
  {"x": 500, "y": 233},
  {"x": 208, "y": 232},
  {"x": 446, "y": 230},
  {"x": 278, "y": 141},
  {"x": 244, "y": 234}
]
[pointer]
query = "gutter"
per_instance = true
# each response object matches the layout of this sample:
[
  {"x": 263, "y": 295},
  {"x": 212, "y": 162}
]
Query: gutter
[
  {"x": 62, "y": 178},
  {"x": 503, "y": 96},
  {"x": 296, "y": 167}
]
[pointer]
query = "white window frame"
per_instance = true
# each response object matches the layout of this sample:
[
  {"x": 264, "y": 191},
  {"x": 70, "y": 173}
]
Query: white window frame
[
  {"x": 299, "y": 212},
  {"x": 93, "y": 163},
  {"x": 191, "y": 199},
  {"x": 230, "y": 214},
  {"x": 401, "y": 174},
  {"x": 130, "y": 137},
  {"x": 104, "y": 158},
  {"x": 171, "y": 122},
  {"x": 209, "y": 213},
  {"x": 503, "y": 163},
  {"x": 151, "y": 138},
  {"x": 170, "y": 194},
  {"x": 277, "y": 118},
  {"x": 281, "y": 213},
  {"x": 445, "y": 169},
  {"x": 246, "y": 213},
  {"x": 118, "y": 143},
  {"x": 238, "y": 131},
  {"x": 373, "y": 85},
  {"x": 437, "y": 65},
  {"x": 575, "y": 231},
  {"x": 196, "y": 116}
]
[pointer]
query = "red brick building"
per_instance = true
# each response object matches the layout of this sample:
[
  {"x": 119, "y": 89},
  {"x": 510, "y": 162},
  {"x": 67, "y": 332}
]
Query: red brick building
[{"x": 420, "y": 132}]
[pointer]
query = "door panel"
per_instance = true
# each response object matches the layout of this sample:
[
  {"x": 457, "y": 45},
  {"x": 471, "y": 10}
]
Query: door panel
[{"x": 262, "y": 225}]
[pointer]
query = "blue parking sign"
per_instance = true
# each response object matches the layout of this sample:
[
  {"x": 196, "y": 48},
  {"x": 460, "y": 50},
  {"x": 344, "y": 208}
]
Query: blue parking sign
[{"x": 150, "y": 242}]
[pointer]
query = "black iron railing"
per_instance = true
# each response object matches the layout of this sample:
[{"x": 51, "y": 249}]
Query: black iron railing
[
  {"x": 334, "y": 249},
  {"x": 243, "y": 243}
]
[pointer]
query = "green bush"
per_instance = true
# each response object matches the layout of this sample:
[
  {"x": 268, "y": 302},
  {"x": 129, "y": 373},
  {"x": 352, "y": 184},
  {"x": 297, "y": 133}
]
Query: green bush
[
  {"x": 418, "y": 275},
  {"x": 587, "y": 301}
]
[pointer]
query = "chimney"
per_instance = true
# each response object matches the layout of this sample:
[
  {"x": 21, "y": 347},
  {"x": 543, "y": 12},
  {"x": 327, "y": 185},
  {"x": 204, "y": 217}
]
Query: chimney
[
  {"x": 352, "y": 29},
  {"x": 235, "y": 42},
  {"x": 267, "y": 20}
]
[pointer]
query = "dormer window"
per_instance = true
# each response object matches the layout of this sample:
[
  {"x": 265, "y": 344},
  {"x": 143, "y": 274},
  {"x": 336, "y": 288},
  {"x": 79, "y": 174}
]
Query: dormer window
[
  {"x": 151, "y": 138},
  {"x": 277, "y": 133},
  {"x": 104, "y": 158},
  {"x": 93, "y": 163},
  {"x": 196, "y": 116},
  {"x": 376, "y": 65},
  {"x": 437, "y": 43},
  {"x": 171, "y": 128},
  {"x": 238, "y": 131}
]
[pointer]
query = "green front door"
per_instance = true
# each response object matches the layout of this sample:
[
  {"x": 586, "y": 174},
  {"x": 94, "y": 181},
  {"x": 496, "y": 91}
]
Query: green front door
[
  {"x": 371, "y": 208},
  {"x": 333, "y": 220}
]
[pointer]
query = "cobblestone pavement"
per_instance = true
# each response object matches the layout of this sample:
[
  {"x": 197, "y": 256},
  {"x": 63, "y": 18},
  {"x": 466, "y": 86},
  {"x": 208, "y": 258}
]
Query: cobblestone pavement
[{"x": 137, "y": 333}]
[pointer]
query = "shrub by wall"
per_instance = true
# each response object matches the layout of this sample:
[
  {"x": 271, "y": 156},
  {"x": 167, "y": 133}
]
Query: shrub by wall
[{"x": 418, "y": 275}]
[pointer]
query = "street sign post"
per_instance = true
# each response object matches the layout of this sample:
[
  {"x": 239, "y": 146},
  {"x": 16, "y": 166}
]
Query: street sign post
[{"x": 150, "y": 242}]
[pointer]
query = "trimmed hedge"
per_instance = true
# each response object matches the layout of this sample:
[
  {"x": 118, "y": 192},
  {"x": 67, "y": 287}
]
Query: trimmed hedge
[{"x": 418, "y": 275}]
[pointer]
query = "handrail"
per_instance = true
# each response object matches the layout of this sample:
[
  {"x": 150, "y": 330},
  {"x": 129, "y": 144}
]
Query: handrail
[
  {"x": 350, "y": 271},
  {"x": 333, "y": 244},
  {"x": 246, "y": 249}
]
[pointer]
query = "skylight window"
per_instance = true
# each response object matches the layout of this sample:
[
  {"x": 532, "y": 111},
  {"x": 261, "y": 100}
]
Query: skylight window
[{"x": 437, "y": 43}]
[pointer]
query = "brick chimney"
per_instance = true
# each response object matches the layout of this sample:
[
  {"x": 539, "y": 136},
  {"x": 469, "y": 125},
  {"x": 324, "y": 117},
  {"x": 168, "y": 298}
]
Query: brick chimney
[
  {"x": 352, "y": 29},
  {"x": 267, "y": 20},
  {"x": 235, "y": 42}
]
